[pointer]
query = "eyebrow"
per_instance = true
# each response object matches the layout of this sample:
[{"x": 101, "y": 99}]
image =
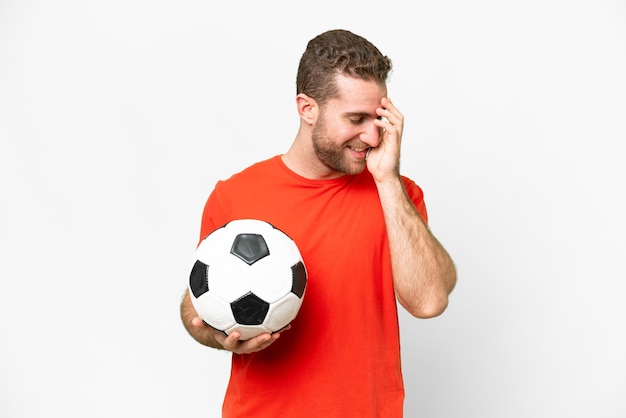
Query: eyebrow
[{"x": 360, "y": 114}]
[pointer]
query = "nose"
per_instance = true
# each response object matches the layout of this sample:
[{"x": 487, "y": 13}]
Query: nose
[{"x": 371, "y": 135}]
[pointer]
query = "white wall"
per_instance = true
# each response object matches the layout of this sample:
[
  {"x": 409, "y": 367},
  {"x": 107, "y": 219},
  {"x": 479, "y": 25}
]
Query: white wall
[{"x": 117, "y": 117}]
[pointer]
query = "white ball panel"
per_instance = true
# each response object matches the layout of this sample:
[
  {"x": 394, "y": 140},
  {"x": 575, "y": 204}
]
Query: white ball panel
[
  {"x": 282, "y": 312},
  {"x": 272, "y": 279},
  {"x": 229, "y": 278},
  {"x": 214, "y": 311},
  {"x": 282, "y": 244},
  {"x": 212, "y": 247}
]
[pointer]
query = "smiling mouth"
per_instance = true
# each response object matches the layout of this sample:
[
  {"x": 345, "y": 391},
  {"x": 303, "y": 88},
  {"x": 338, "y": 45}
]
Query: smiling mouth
[
  {"x": 359, "y": 149},
  {"x": 361, "y": 152}
]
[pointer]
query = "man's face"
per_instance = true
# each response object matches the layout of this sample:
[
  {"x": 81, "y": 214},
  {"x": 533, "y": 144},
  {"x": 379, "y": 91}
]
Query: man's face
[{"x": 345, "y": 126}]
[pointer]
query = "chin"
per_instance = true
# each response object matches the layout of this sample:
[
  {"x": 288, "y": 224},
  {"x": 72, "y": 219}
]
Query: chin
[{"x": 354, "y": 168}]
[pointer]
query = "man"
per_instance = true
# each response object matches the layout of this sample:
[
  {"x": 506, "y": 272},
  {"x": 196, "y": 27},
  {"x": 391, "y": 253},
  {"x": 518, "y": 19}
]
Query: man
[{"x": 361, "y": 228}]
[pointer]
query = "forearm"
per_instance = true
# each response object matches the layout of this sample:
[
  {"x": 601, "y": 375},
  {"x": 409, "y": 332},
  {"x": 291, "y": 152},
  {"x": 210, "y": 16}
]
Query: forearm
[
  {"x": 423, "y": 272},
  {"x": 194, "y": 326}
]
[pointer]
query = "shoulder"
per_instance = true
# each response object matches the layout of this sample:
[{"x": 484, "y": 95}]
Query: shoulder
[
  {"x": 261, "y": 166},
  {"x": 252, "y": 174},
  {"x": 237, "y": 193},
  {"x": 414, "y": 191},
  {"x": 416, "y": 195}
]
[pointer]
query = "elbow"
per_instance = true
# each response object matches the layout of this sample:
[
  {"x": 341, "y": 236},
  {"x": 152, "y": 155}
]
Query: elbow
[
  {"x": 427, "y": 307},
  {"x": 430, "y": 302},
  {"x": 431, "y": 309}
]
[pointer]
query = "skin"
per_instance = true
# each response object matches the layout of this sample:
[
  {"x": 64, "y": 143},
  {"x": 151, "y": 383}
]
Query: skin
[{"x": 357, "y": 130}]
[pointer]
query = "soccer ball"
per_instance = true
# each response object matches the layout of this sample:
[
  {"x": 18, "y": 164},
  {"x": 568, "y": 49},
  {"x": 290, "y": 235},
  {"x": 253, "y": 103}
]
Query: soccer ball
[{"x": 249, "y": 277}]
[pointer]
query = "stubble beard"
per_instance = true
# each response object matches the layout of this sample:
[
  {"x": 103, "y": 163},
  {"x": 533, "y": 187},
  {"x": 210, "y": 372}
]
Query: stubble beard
[{"x": 330, "y": 154}]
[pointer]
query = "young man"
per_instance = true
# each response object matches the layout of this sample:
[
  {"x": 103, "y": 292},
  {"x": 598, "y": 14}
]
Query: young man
[{"x": 362, "y": 230}]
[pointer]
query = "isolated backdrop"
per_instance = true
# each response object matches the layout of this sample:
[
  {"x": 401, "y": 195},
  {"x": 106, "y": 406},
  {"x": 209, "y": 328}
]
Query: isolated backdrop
[{"x": 118, "y": 117}]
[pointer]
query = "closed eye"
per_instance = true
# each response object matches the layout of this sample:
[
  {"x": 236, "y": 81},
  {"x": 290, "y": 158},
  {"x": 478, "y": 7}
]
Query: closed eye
[{"x": 357, "y": 118}]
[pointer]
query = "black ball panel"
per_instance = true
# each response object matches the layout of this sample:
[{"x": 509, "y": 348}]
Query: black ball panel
[
  {"x": 299, "y": 279},
  {"x": 199, "y": 279},
  {"x": 250, "y": 309},
  {"x": 250, "y": 248}
]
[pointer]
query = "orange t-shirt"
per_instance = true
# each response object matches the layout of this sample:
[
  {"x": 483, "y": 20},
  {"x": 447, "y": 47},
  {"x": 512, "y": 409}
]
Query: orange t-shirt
[{"x": 341, "y": 357}]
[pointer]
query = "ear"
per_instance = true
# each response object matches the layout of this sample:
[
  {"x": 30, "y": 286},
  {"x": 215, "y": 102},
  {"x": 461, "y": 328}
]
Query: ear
[{"x": 308, "y": 108}]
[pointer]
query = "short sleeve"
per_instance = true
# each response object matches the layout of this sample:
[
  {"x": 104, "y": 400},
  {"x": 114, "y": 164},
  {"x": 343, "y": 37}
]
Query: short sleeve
[{"x": 416, "y": 195}]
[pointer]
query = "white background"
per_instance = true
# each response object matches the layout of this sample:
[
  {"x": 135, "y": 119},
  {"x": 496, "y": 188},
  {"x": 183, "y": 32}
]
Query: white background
[{"x": 118, "y": 117}]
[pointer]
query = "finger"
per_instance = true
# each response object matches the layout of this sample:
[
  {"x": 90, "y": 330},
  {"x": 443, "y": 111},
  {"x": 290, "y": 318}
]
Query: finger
[
  {"x": 388, "y": 104},
  {"x": 385, "y": 119},
  {"x": 382, "y": 122},
  {"x": 230, "y": 341},
  {"x": 389, "y": 111},
  {"x": 283, "y": 329},
  {"x": 386, "y": 127},
  {"x": 198, "y": 322},
  {"x": 254, "y": 344}
]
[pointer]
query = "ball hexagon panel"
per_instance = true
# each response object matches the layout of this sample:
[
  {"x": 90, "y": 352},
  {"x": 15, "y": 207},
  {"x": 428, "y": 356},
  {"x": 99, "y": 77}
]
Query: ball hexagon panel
[
  {"x": 282, "y": 312},
  {"x": 272, "y": 279},
  {"x": 230, "y": 278},
  {"x": 215, "y": 311}
]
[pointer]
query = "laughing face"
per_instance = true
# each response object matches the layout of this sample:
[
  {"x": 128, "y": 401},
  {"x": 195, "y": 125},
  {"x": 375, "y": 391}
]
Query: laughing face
[{"x": 345, "y": 130}]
